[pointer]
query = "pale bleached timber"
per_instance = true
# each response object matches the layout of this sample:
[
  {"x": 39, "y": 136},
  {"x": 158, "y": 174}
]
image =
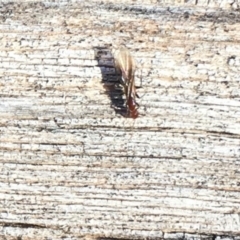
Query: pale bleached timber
[{"x": 72, "y": 167}]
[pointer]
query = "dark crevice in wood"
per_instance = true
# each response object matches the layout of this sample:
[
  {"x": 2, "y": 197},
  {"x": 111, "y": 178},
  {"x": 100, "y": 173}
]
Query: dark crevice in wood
[{"x": 21, "y": 225}]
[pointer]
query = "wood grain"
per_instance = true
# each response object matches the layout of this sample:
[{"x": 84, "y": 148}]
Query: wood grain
[{"x": 72, "y": 167}]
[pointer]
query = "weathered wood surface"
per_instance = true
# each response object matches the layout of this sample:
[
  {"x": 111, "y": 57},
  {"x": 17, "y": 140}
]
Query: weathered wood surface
[{"x": 73, "y": 167}]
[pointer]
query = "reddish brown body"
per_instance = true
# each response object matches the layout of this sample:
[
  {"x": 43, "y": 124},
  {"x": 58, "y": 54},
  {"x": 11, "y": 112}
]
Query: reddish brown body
[
  {"x": 132, "y": 108},
  {"x": 126, "y": 65}
]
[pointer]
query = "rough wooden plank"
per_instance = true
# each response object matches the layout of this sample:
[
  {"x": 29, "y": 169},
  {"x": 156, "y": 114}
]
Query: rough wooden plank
[{"x": 73, "y": 167}]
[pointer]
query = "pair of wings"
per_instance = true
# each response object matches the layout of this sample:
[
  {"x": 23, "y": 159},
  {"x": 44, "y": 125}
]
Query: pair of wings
[{"x": 126, "y": 65}]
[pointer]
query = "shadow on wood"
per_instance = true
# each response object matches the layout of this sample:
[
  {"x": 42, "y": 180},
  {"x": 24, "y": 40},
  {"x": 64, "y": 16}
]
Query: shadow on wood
[{"x": 110, "y": 79}]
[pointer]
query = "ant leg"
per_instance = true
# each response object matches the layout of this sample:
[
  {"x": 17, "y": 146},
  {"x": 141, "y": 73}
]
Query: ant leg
[
  {"x": 140, "y": 81},
  {"x": 141, "y": 96},
  {"x": 137, "y": 106}
]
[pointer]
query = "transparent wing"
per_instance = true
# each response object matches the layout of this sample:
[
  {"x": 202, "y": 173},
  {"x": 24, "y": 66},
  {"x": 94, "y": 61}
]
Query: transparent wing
[{"x": 125, "y": 63}]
